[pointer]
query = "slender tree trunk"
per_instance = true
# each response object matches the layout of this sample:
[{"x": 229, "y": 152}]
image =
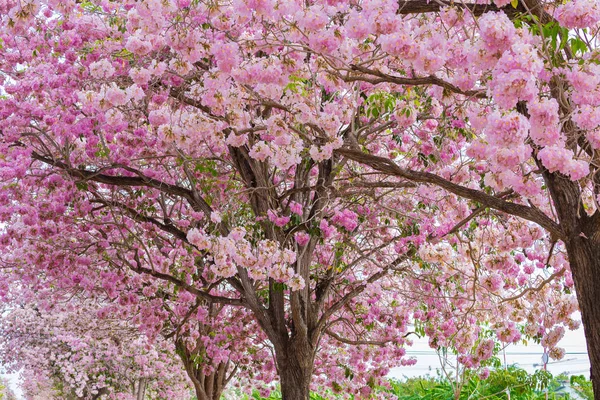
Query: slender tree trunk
[
  {"x": 209, "y": 387},
  {"x": 141, "y": 389},
  {"x": 584, "y": 258}
]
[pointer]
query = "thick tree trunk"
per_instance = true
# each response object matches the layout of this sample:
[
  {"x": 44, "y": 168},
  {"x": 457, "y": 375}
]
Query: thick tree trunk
[
  {"x": 295, "y": 367},
  {"x": 295, "y": 378},
  {"x": 582, "y": 241},
  {"x": 584, "y": 258}
]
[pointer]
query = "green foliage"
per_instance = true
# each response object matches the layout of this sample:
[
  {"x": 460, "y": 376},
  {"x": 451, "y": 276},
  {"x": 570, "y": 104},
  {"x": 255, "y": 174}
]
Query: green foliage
[
  {"x": 380, "y": 103},
  {"x": 556, "y": 37},
  {"x": 582, "y": 386},
  {"x": 516, "y": 381}
]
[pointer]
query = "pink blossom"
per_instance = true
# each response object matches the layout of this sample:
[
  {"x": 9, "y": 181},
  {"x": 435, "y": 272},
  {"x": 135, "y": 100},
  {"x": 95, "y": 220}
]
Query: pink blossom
[
  {"x": 497, "y": 31},
  {"x": 545, "y": 122},
  {"x": 326, "y": 229},
  {"x": 557, "y": 353},
  {"x": 593, "y": 138},
  {"x": 346, "y": 218},
  {"x": 138, "y": 46},
  {"x": 578, "y": 14},
  {"x": 485, "y": 372},
  {"x": 276, "y": 219},
  {"x": 158, "y": 117},
  {"x": 302, "y": 238},
  {"x": 296, "y": 208},
  {"x": 226, "y": 55},
  {"x": 102, "y": 69},
  {"x": 261, "y": 151},
  {"x": 215, "y": 217}
]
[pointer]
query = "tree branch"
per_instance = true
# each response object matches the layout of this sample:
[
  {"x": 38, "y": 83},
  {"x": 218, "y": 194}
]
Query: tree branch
[
  {"x": 381, "y": 77},
  {"x": 193, "y": 290},
  {"x": 197, "y": 204},
  {"x": 535, "y": 289},
  {"x": 387, "y": 166},
  {"x": 354, "y": 342},
  {"x": 144, "y": 218},
  {"x": 358, "y": 290},
  {"x": 427, "y": 6}
]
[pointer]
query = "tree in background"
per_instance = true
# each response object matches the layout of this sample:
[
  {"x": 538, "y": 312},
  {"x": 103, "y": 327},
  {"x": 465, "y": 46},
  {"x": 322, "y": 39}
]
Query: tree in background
[
  {"x": 66, "y": 351},
  {"x": 5, "y": 391},
  {"x": 310, "y": 162}
]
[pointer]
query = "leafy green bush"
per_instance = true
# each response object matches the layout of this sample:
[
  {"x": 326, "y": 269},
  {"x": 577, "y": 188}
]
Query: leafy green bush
[
  {"x": 582, "y": 386},
  {"x": 500, "y": 383}
]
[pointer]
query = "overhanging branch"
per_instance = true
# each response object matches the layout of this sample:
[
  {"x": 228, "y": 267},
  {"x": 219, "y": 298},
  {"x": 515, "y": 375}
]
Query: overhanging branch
[{"x": 387, "y": 166}]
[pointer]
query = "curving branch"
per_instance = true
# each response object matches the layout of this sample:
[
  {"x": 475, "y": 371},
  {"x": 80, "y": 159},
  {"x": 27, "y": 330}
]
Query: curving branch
[
  {"x": 475, "y": 213},
  {"x": 139, "y": 217},
  {"x": 197, "y": 203},
  {"x": 355, "y": 342},
  {"x": 375, "y": 77},
  {"x": 535, "y": 289},
  {"x": 387, "y": 166},
  {"x": 180, "y": 283},
  {"x": 427, "y": 6},
  {"x": 358, "y": 290}
]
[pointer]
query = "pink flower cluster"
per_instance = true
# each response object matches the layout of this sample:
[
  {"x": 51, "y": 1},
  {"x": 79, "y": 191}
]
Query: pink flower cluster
[
  {"x": 505, "y": 134},
  {"x": 263, "y": 260},
  {"x": 346, "y": 218},
  {"x": 515, "y": 75},
  {"x": 578, "y": 14},
  {"x": 557, "y": 158}
]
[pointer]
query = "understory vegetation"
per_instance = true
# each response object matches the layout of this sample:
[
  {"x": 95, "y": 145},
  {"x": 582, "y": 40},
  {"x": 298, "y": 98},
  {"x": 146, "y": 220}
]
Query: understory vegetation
[{"x": 512, "y": 383}]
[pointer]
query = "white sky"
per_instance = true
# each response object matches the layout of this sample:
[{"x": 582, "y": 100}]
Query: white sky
[{"x": 575, "y": 362}]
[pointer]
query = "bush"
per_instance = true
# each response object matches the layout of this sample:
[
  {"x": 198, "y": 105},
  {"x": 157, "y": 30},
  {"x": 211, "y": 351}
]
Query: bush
[{"x": 516, "y": 381}]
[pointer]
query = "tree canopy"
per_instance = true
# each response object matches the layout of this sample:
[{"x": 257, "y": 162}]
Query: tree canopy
[{"x": 307, "y": 183}]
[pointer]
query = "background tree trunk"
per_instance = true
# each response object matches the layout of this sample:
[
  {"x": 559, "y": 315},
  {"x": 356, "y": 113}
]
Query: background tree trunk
[
  {"x": 206, "y": 387},
  {"x": 141, "y": 389}
]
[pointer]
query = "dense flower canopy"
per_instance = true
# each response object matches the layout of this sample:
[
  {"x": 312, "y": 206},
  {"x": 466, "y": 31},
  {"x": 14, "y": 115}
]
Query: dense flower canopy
[
  {"x": 88, "y": 356},
  {"x": 336, "y": 173}
]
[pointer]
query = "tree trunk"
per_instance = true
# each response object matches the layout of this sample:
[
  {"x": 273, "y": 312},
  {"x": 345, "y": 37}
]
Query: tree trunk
[
  {"x": 206, "y": 387},
  {"x": 295, "y": 384},
  {"x": 295, "y": 372},
  {"x": 141, "y": 389},
  {"x": 584, "y": 258}
]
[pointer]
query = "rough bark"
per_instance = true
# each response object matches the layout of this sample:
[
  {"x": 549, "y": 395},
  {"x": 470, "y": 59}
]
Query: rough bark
[
  {"x": 584, "y": 257},
  {"x": 295, "y": 371},
  {"x": 206, "y": 387}
]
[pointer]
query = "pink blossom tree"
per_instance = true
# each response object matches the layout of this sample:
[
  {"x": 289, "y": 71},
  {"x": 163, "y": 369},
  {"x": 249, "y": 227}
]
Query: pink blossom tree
[
  {"x": 68, "y": 353},
  {"x": 299, "y": 159},
  {"x": 6, "y": 392},
  {"x": 213, "y": 343}
]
